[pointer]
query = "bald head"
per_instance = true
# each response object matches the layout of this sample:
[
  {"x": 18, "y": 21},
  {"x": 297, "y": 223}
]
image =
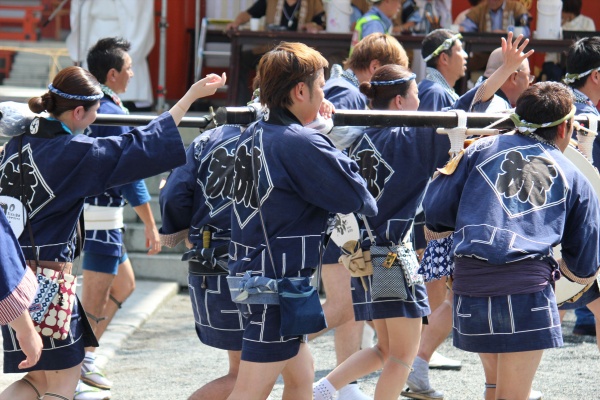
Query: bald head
[
  {"x": 518, "y": 80},
  {"x": 494, "y": 62}
]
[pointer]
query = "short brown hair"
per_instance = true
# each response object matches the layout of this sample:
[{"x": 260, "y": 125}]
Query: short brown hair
[
  {"x": 283, "y": 68},
  {"x": 377, "y": 46},
  {"x": 545, "y": 102}
]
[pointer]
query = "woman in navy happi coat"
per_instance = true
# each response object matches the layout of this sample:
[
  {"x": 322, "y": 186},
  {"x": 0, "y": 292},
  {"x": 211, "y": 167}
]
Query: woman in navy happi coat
[{"x": 59, "y": 169}]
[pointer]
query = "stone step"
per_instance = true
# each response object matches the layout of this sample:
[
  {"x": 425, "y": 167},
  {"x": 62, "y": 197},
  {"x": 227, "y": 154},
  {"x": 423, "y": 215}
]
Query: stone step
[
  {"x": 31, "y": 82},
  {"x": 135, "y": 240},
  {"x": 32, "y": 73},
  {"x": 130, "y": 217},
  {"x": 43, "y": 43},
  {"x": 159, "y": 267},
  {"x": 163, "y": 267}
]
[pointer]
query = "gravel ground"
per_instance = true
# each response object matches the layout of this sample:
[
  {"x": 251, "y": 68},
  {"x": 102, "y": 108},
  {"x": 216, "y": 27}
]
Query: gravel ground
[{"x": 164, "y": 360}]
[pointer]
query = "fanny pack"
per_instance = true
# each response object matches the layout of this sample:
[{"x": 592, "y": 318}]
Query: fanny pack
[
  {"x": 393, "y": 268},
  {"x": 207, "y": 261}
]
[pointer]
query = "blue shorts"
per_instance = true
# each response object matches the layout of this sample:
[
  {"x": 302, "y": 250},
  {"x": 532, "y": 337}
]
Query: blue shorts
[
  {"x": 506, "y": 324},
  {"x": 262, "y": 342},
  {"x": 108, "y": 242},
  {"x": 102, "y": 263},
  {"x": 416, "y": 304},
  {"x": 218, "y": 321}
]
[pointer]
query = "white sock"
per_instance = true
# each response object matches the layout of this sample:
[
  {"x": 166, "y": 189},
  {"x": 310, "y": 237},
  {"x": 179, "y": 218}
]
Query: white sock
[
  {"x": 419, "y": 377},
  {"x": 90, "y": 357},
  {"x": 323, "y": 390},
  {"x": 352, "y": 392}
]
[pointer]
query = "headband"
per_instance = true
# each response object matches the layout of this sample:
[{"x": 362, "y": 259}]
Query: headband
[
  {"x": 75, "y": 96},
  {"x": 446, "y": 44},
  {"x": 570, "y": 78},
  {"x": 530, "y": 127},
  {"x": 393, "y": 82}
]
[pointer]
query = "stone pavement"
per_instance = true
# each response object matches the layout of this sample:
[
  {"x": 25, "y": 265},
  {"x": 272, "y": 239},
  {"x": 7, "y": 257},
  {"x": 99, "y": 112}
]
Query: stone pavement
[
  {"x": 164, "y": 360},
  {"x": 145, "y": 300}
]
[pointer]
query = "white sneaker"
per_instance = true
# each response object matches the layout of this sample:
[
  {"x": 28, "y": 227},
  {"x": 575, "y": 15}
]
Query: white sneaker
[
  {"x": 438, "y": 361},
  {"x": 86, "y": 392},
  {"x": 93, "y": 376},
  {"x": 352, "y": 392},
  {"x": 367, "y": 337}
]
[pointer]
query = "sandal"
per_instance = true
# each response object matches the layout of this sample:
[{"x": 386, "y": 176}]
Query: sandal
[{"x": 429, "y": 394}]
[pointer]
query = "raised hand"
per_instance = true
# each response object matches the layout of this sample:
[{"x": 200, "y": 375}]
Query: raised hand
[
  {"x": 512, "y": 51},
  {"x": 204, "y": 87},
  {"x": 208, "y": 86}
]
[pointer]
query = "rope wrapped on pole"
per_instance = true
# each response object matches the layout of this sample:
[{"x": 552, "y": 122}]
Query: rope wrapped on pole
[
  {"x": 432, "y": 119},
  {"x": 141, "y": 120}
]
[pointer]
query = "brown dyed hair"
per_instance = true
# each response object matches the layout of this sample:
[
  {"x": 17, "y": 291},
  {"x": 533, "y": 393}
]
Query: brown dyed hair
[
  {"x": 283, "y": 68},
  {"x": 545, "y": 102},
  {"x": 377, "y": 46},
  {"x": 71, "y": 80},
  {"x": 380, "y": 96}
]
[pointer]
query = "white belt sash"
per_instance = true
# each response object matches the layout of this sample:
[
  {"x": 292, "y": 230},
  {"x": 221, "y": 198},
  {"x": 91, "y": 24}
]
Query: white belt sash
[{"x": 102, "y": 218}]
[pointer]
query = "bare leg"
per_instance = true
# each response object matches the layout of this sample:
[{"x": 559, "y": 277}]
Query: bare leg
[
  {"x": 220, "y": 388},
  {"x": 256, "y": 380},
  {"x": 561, "y": 314},
  {"x": 402, "y": 352},
  {"x": 363, "y": 362},
  {"x": 436, "y": 293},
  {"x": 440, "y": 325},
  {"x": 339, "y": 313},
  {"x": 490, "y": 369},
  {"x": 94, "y": 290},
  {"x": 359, "y": 364},
  {"x": 298, "y": 376},
  {"x": 594, "y": 307},
  {"x": 94, "y": 296},
  {"x": 62, "y": 382},
  {"x": 338, "y": 303},
  {"x": 21, "y": 390},
  {"x": 122, "y": 287},
  {"x": 515, "y": 374}
]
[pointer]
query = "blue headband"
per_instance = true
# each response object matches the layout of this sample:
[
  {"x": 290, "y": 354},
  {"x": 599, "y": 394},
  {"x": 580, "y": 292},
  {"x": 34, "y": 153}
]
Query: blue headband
[
  {"x": 75, "y": 96},
  {"x": 394, "y": 82}
]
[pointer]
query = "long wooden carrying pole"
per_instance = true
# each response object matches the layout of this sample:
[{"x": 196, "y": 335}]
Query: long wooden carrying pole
[
  {"x": 437, "y": 119},
  {"x": 247, "y": 115}
]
